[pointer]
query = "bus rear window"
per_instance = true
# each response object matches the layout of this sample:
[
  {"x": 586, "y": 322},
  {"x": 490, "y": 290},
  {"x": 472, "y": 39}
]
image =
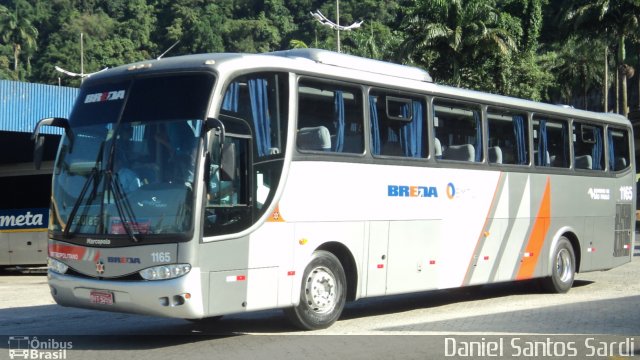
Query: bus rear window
[{"x": 618, "y": 140}]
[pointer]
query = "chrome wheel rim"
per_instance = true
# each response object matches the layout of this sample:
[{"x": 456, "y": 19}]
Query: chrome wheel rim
[
  {"x": 564, "y": 265},
  {"x": 320, "y": 290}
]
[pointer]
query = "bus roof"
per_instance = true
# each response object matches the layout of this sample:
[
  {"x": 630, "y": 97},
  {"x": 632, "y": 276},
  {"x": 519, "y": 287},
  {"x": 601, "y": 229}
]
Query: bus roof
[
  {"x": 357, "y": 63},
  {"x": 349, "y": 68}
]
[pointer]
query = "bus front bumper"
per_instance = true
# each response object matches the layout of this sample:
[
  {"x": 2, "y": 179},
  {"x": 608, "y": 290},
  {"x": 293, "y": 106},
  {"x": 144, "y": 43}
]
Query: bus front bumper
[{"x": 177, "y": 298}]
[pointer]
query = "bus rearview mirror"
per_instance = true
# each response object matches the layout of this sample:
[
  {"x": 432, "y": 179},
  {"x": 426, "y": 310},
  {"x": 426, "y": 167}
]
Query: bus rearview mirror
[{"x": 38, "y": 139}]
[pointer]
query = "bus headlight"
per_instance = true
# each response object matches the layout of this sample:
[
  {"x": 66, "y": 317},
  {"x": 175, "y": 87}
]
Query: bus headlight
[
  {"x": 164, "y": 272},
  {"x": 56, "y": 266}
]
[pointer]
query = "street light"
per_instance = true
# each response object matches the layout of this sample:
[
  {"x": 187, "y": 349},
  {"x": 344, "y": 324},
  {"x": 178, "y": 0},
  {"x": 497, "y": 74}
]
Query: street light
[
  {"x": 336, "y": 26},
  {"x": 82, "y": 75}
]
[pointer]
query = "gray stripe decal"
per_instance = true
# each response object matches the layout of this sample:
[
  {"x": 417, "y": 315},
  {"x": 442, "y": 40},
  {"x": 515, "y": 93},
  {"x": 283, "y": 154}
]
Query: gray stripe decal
[
  {"x": 517, "y": 185},
  {"x": 487, "y": 225}
]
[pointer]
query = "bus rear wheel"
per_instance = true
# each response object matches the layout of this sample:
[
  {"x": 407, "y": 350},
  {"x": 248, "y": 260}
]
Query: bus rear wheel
[
  {"x": 563, "y": 270},
  {"x": 322, "y": 294}
]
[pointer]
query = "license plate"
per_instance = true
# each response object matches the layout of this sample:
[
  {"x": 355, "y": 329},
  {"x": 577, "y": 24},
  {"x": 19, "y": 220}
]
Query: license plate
[{"x": 101, "y": 297}]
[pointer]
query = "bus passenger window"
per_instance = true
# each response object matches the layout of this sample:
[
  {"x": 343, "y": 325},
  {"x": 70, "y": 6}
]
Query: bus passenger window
[
  {"x": 458, "y": 130},
  {"x": 260, "y": 100},
  {"x": 329, "y": 118},
  {"x": 398, "y": 125},
  {"x": 588, "y": 146},
  {"x": 550, "y": 142},
  {"x": 618, "y": 147},
  {"x": 508, "y": 137}
]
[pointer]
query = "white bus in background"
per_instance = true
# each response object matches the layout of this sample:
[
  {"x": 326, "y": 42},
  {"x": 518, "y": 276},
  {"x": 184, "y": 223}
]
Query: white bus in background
[
  {"x": 23, "y": 237},
  {"x": 214, "y": 184},
  {"x": 24, "y": 218}
]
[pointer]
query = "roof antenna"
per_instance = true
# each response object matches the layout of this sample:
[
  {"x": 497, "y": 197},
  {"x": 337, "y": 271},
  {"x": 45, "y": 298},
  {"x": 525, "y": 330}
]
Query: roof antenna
[{"x": 169, "y": 49}]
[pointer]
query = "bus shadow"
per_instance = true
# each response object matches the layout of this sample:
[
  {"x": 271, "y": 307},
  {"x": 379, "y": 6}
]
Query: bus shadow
[
  {"x": 608, "y": 316},
  {"x": 96, "y": 330},
  {"x": 23, "y": 271},
  {"x": 433, "y": 299}
]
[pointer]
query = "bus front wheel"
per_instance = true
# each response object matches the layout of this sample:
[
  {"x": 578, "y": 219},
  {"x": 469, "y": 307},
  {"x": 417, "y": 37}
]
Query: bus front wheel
[
  {"x": 322, "y": 294},
  {"x": 563, "y": 270}
]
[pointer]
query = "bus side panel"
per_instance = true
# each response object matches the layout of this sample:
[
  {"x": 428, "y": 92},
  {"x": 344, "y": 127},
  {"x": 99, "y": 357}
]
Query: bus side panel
[
  {"x": 447, "y": 206},
  {"x": 235, "y": 291},
  {"x": 499, "y": 247},
  {"x": 377, "y": 259},
  {"x": 414, "y": 249},
  {"x": 222, "y": 261},
  {"x": 271, "y": 263},
  {"x": 509, "y": 256},
  {"x": 26, "y": 248},
  {"x": 251, "y": 273},
  {"x": 466, "y": 207},
  {"x": 599, "y": 242},
  {"x": 5, "y": 258}
]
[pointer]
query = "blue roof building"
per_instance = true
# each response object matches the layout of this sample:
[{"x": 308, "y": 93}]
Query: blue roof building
[{"x": 21, "y": 106}]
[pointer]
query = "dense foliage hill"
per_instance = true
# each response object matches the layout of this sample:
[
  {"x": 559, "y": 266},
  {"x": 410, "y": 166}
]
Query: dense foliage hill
[{"x": 548, "y": 50}]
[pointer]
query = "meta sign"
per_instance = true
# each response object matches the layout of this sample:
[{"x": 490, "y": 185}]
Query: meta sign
[{"x": 16, "y": 220}]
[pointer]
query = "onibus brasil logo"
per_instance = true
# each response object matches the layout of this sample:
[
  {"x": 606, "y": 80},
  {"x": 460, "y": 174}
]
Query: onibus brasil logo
[{"x": 25, "y": 347}]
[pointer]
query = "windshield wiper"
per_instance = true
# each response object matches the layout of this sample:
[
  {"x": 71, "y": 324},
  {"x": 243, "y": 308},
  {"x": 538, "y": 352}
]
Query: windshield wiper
[
  {"x": 94, "y": 177},
  {"x": 122, "y": 205}
]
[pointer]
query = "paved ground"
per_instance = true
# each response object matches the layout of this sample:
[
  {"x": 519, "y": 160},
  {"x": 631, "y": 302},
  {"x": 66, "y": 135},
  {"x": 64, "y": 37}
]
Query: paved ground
[{"x": 603, "y": 306}]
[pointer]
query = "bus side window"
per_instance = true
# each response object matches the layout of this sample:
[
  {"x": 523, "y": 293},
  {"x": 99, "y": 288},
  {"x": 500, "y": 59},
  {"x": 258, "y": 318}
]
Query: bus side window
[
  {"x": 458, "y": 129},
  {"x": 329, "y": 118},
  {"x": 618, "y": 149},
  {"x": 508, "y": 136},
  {"x": 551, "y": 142},
  {"x": 588, "y": 146},
  {"x": 260, "y": 100},
  {"x": 398, "y": 126}
]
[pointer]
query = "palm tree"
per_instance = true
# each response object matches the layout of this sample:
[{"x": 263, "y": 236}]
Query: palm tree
[
  {"x": 618, "y": 18},
  {"x": 457, "y": 30},
  {"x": 18, "y": 32},
  {"x": 579, "y": 67}
]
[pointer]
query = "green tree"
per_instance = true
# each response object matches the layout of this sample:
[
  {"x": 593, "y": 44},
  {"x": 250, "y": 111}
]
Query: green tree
[
  {"x": 527, "y": 72},
  {"x": 258, "y": 27},
  {"x": 579, "y": 69},
  {"x": 198, "y": 26},
  {"x": 17, "y": 31},
  {"x": 108, "y": 41},
  {"x": 373, "y": 40},
  {"x": 619, "y": 18},
  {"x": 460, "y": 32}
]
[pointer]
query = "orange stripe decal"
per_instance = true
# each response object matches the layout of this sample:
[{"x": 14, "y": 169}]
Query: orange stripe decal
[{"x": 539, "y": 232}]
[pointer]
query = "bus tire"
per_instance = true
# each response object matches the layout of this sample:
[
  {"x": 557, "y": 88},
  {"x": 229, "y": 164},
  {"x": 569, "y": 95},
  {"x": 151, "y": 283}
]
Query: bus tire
[
  {"x": 563, "y": 269},
  {"x": 322, "y": 294}
]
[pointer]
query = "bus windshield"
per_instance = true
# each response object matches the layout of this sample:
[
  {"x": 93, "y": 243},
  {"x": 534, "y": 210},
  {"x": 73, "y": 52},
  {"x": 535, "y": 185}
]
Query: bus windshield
[{"x": 129, "y": 166}]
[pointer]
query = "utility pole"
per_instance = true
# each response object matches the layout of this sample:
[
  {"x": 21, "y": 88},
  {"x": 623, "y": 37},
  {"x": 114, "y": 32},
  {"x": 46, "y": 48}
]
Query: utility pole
[{"x": 338, "y": 22}]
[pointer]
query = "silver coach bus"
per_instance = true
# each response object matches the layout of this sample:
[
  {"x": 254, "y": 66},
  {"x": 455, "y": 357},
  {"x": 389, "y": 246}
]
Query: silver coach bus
[{"x": 205, "y": 185}]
